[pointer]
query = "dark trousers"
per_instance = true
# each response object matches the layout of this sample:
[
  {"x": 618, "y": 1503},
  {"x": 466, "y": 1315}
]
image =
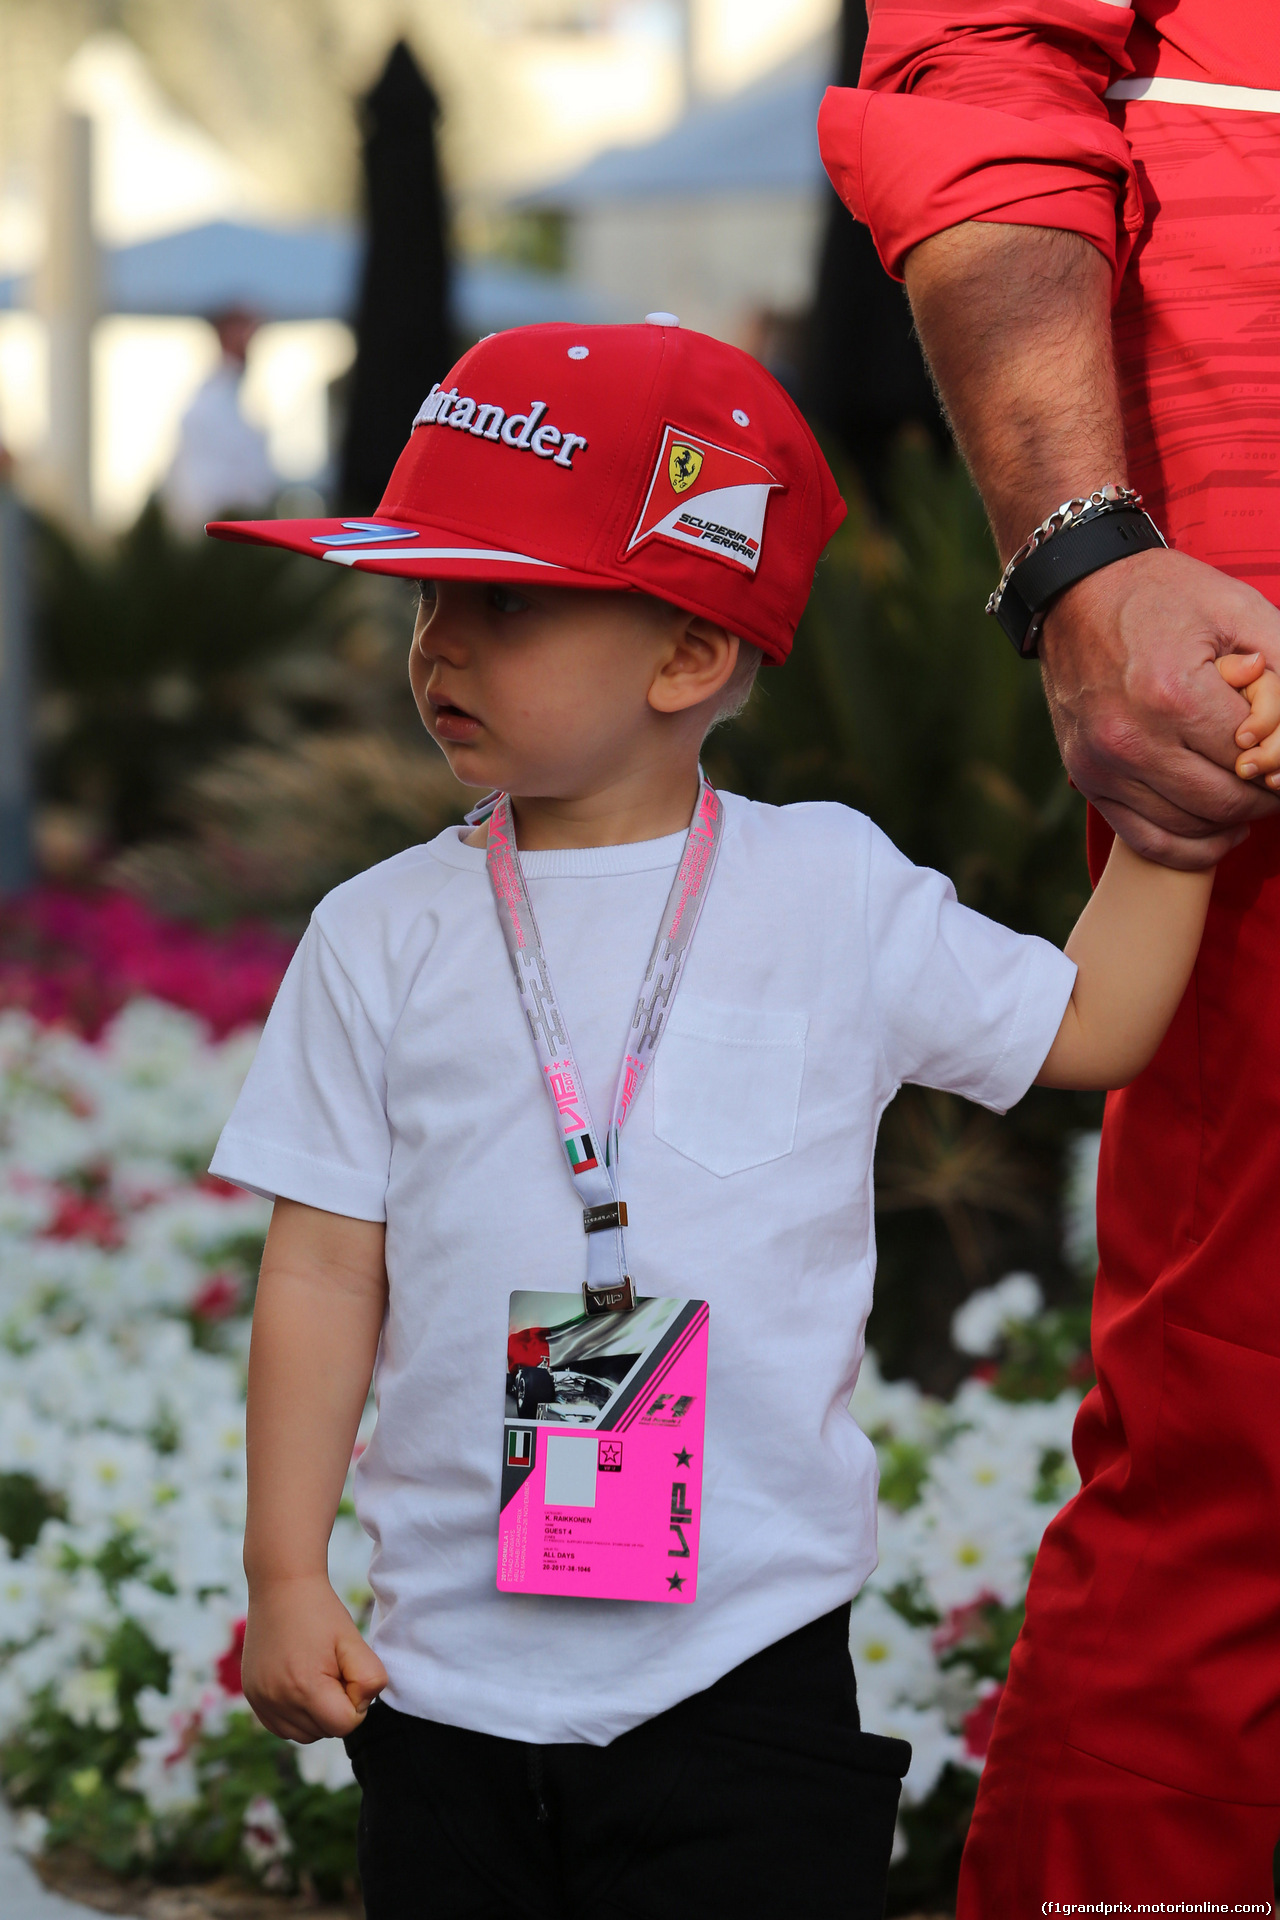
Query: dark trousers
[{"x": 761, "y": 1796}]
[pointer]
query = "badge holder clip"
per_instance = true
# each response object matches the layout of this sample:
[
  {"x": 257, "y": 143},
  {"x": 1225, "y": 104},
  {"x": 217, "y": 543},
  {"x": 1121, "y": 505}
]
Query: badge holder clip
[
  {"x": 616, "y": 1296},
  {"x": 617, "y": 1299}
]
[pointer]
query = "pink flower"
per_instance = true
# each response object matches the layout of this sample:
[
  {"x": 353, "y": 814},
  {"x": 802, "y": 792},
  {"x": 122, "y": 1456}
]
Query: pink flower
[
  {"x": 218, "y": 1298},
  {"x": 980, "y": 1721},
  {"x": 75, "y": 957}
]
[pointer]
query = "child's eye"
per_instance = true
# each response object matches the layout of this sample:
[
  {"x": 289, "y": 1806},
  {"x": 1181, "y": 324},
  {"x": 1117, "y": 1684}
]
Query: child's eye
[
  {"x": 506, "y": 600},
  {"x": 427, "y": 596}
]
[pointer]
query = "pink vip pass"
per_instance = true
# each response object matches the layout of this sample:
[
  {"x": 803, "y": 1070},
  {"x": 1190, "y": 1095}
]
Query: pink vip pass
[
  {"x": 606, "y": 1391},
  {"x": 602, "y": 1449}
]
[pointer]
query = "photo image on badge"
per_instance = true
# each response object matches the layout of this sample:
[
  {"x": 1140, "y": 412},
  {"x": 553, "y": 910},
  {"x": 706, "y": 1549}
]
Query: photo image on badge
[{"x": 582, "y": 1513}]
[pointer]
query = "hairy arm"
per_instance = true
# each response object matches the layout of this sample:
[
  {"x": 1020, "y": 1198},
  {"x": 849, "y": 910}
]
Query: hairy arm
[
  {"x": 316, "y": 1324},
  {"x": 1016, "y": 324},
  {"x": 1134, "y": 945}
]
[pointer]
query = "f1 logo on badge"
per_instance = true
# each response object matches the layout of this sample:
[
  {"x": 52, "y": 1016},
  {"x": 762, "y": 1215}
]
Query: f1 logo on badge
[{"x": 611, "y": 1456}]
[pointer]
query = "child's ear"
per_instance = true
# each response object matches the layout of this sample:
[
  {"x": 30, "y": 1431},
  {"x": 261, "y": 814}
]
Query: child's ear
[{"x": 694, "y": 667}]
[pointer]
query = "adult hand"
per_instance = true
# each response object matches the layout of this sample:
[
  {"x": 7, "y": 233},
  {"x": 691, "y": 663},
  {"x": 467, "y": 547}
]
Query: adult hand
[{"x": 1145, "y": 722}]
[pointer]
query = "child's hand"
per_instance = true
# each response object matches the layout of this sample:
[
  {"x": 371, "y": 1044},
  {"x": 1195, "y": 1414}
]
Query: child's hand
[
  {"x": 1259, "y": 735},
  {"x": 306, "y": 1671}
]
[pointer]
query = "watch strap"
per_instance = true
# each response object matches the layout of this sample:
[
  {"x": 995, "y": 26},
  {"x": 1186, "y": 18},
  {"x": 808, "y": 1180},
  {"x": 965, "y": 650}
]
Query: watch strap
[{"x": 1089, "y": 543}]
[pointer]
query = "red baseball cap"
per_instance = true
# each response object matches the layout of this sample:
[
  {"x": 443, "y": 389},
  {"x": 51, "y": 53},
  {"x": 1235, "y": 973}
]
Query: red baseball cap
[{"x": 644, "y": 457}]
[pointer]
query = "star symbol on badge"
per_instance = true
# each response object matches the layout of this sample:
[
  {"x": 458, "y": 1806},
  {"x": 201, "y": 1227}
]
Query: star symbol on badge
[
  {"x": 683, "y": 1459},
  {"x": 675, "y": 1582}
]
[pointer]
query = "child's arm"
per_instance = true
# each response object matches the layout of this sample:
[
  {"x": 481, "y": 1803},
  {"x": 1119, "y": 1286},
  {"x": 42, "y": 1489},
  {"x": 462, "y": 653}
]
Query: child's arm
[
  {"x": 316, "y": 1322},
  {"x": 1134, "y": 945},
  {"x": 1136, "y": 942}
]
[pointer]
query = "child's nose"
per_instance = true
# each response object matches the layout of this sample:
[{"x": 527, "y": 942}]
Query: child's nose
[{"x": 444, "y": 638}]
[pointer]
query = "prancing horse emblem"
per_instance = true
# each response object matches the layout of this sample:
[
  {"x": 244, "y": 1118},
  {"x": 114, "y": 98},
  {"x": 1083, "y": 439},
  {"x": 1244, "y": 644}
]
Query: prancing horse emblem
[{"x": 684, "y": 466}]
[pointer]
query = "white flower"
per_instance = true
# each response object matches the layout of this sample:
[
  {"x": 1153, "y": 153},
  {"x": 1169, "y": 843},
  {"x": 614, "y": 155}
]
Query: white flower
[
  {"x": 164, "y": 1774},
  {"x": 892, "y": 1661},
  {"x": 966, "y": 1554},
  {"x": 29, "y": 1830},
  {"x": 1080, "y": 1222},
  {"x": 23, "y": 1597},
  {"x": 264, "y": 1836},
  {"x": 89, "y": 1698},
  {"x": 977, "y": 1325},
  {"x": 325, "y": 1764},
  {"x": 896, "y": 1408},
  {"x": 349, "y": 1565}
]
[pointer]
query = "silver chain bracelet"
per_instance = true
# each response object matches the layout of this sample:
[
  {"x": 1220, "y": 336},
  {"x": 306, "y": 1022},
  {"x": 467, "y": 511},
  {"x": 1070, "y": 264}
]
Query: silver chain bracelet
[{"x": 1110, "y": 496}]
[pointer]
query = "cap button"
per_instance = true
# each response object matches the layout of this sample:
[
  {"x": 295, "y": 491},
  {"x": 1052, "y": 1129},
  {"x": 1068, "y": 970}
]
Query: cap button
[{"x": 662, "y": 319}]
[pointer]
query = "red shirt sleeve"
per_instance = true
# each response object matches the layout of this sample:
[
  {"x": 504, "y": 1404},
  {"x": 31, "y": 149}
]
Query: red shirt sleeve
[{"x": 976, "y": 110}]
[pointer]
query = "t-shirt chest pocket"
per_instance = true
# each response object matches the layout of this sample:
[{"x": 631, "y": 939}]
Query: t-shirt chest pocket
[{"x": 726, "y": 1084}]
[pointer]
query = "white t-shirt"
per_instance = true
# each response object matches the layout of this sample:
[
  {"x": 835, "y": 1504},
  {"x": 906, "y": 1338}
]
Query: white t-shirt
[{"x": 397, "y": 1079}]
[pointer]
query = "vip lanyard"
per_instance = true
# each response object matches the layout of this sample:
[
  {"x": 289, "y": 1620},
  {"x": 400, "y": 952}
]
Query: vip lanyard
[{"x": 593, "y": 1163}]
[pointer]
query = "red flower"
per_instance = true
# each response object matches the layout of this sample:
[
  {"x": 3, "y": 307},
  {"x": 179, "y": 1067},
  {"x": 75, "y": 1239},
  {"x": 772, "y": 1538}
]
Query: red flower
[
  {"x": 986, "y": 1371},
  {"x": 980, "y": 1721},
  {"x": 218, "y": 1298},
  {"x": 79, "y": 1218},
  {"x": 227, "y": 1667},
  {"x": 967, "y": 1623},
  {"x": 218, "y": 1189}
]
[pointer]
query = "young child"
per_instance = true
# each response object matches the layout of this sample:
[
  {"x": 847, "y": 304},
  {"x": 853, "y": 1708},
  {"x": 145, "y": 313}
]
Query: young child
[{"x": 613, "y": 526}]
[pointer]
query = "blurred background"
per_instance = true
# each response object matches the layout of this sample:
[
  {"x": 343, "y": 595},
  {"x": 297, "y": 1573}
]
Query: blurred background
[{"x": 239, "y": 239}]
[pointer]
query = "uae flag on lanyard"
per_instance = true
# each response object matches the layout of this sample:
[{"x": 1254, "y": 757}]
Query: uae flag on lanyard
[{"x": 582, "y": 1155}]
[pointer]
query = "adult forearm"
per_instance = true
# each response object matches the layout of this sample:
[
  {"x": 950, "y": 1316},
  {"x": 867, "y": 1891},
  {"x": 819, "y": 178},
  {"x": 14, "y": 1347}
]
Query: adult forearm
[
  {"x": 1016, "y": 325},
  {"x": 315, "y": 1335},
  {"x": 1016, "y": 322}
]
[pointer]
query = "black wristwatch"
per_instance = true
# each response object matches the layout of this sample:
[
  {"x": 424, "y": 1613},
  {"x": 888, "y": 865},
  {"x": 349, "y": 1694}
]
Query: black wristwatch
[{"x": 1078, "y": 538}]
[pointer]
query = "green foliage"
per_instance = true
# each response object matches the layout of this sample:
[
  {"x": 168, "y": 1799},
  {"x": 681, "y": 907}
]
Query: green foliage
[
  {"x": 235, "y": 1767},
  {"x": 1042, "y": 1357},
  {"x": 70, "y": 1767},
  {"x": 71, "y": 1759},
  {"x": 980, "y": 1638},
  {"x": 24, "y": 1507},
  {"x": 77, "y": 1773},
  {"x": 153, "y": 657},
  {"x": 904, "y": 1468}
]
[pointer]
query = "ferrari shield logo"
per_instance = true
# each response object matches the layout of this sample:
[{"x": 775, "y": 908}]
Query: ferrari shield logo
[
  {"x": 684, "y": 466},
  {"x": 706, "y": 496}
]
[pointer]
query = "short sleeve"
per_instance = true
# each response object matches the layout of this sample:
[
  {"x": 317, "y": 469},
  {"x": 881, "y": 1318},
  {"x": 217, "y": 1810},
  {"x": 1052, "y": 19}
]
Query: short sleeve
[
  {"x": 965, "y": 1004},
  {"x": 311, "y": 1120}
]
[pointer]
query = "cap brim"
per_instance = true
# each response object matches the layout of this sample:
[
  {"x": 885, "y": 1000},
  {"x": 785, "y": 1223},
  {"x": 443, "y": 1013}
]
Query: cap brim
[{"x": 412, "y": 552}]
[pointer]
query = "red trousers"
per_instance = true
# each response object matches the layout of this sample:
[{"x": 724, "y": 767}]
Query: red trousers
[{"x": 1136, "y": 1754}]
